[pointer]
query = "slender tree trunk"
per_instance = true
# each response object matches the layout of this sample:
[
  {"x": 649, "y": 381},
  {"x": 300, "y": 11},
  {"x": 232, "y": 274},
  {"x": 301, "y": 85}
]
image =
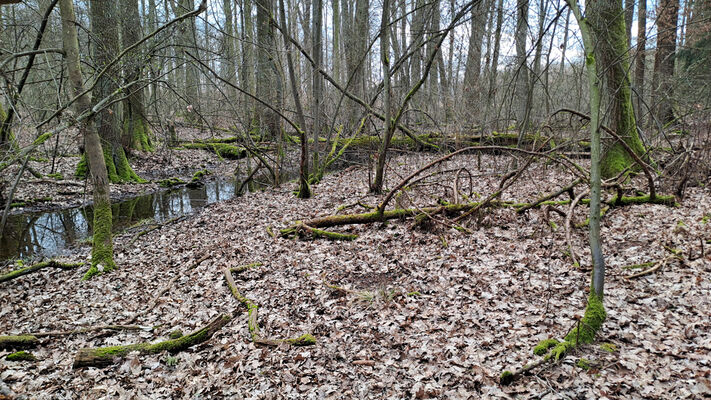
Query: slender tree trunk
[
  {"x": 629, "y": 17},
  {"x": 317, "y": 99},
  {"x": 377, "y": 186},
  {"x": 522, "y": 79},
  {"x": 304, "y": 190},
  {"x": 491, "y": 95},
  {"x": 102, "y": 250}
]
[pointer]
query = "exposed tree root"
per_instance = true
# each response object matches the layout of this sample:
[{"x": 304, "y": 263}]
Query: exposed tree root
[
  {"x": 104, "y": 356},
  {"x": 252, "y": 313},
  {"x": 36, "y": 267},
  {"x": 18, "y": 342}
]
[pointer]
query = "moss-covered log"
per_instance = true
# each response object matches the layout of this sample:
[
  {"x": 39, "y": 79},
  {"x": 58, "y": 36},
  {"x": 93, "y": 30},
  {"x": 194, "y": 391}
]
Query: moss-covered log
[
  {"x": 104, "y": 356},
  {"x": 18, "y": 342},
  {"x": 223, "y": 150},
  {"x": 252, "y": 313},
  {"x": 36, "y": 267}
]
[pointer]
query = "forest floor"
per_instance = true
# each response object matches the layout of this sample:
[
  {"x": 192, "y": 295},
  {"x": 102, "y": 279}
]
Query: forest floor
[{"x": 421, "y": 313}]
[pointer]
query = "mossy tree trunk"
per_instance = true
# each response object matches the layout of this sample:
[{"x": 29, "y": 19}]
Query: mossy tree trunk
[
  {"x": 102, "y": 250},
  {"x": 6, "y": 135},
  {"x": 594, "y": 312},
  {"x": 606, "y": 20},
  {"x": 136, "y": 132}
]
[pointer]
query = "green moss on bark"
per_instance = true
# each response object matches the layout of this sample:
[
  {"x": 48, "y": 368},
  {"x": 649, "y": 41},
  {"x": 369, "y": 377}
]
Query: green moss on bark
[
  {"x": 584, "y": 332},
  {"x": 102, "y": 250},
  {"x": 140, "y": 134},
  {"x": 117, "y": 166},
  {"x": 543, "y": 346}
]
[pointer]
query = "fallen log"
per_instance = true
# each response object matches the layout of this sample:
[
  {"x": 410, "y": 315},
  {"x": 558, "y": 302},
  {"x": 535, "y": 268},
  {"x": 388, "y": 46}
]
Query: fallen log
[
  {"x": 36, "y": 267},
  {"x": 105, "y": 356},
  {"x": 18, "y": 342}
]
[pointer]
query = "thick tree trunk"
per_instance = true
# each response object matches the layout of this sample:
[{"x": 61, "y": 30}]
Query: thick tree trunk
[
  {"x": 472, "y": 70},
  {"x": 641, "y": 55},
  {"x": 663, "y": 88},
  {"x": 136, "y": 131},
  {"x": 105, "y": 42},
  {"x": 102, "y": 250}
]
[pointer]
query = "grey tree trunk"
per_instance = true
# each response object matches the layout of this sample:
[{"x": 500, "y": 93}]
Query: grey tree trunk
[
  {"x": 522, "y": 79},
  {"x": 491, "y": 93},
  {"x": 641, "y": 55},
  {"x": 472, "y": 70},
  {"x": 317, "y": 26},
  {"x": 662, "y": 87},
  {"x": 377, "y": 186},
  {"x": 136, "y": 131}
]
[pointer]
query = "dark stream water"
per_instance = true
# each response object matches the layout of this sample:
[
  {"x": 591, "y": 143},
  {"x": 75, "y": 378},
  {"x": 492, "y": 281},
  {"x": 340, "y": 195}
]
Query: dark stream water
[{"x": 52, "y": 233}]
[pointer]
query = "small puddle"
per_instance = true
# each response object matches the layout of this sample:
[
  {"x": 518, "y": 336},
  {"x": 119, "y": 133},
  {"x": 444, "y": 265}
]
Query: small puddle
[{"x": 54, "y": 233}]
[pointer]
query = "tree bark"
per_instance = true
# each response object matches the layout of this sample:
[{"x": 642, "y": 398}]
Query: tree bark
[
  {"x": 641, "y": 55},
  {"x": 102, "y": 249},
  {"x": 105, "y": 356},
  {"x": 606, "y": 18},
  {"x": 377, "y": 186},
  {"x": 663, "y": 89},
  {"x": 136, "y": 131}
]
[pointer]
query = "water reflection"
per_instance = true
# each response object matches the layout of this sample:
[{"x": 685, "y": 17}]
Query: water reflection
[{"x": 51, "y": 233}]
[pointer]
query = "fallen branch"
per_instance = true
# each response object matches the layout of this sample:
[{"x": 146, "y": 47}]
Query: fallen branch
[
  {"x": 252, "y": 312},
  {"x": 36, "y": 267},
  {"x": 105, "y": 356},
  {"x": 567, "y": 189},
  {"x": 92, "y": 329}
]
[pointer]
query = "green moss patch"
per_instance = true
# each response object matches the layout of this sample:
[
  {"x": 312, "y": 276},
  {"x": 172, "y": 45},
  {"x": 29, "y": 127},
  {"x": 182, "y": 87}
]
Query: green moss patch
[
  {"x": 170, "y": 182},
  {"x": 21, "y": 356}
]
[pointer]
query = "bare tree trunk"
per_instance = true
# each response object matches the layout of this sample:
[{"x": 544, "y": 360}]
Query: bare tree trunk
[
  {"x": 102, "y": 250},
  {"x": 662, "y": 87},
  {"x": 491, "y": 93},
  {"x": 472, "y": 70},
  {"x": 304, "y": 190},
  {"x": 317, "y": 53},
  {"x": 629, "y": 17},
  {"x": 522, "y": 79},
  {"x": 377, "y": 186},
  {"x": 136, "y": 132},
  {"x": 641, "y": 55}
]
